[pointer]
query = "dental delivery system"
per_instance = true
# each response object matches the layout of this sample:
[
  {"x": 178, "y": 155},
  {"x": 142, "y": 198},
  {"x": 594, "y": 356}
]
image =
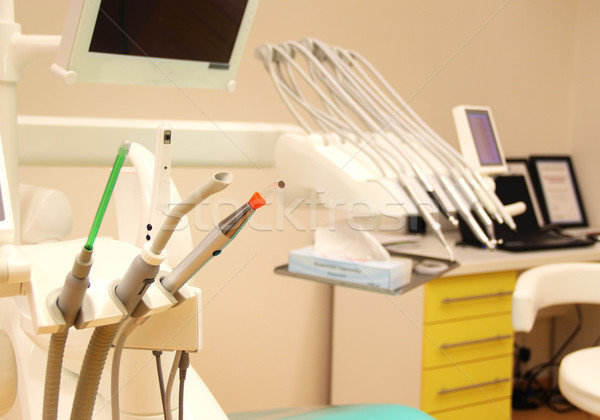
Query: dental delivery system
[
  {"x": 122, "y": 305},
  {"x": 365, "y": 141},
  {"x": 129, "y": 291}
]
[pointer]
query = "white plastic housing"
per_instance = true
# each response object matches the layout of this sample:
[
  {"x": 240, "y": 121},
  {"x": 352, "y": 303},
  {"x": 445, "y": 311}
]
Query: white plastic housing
[
  {"x": 344, "y": 177},
  {"x": 46, "y": 214},
  {"x": 553, "y": 284},
  {"x": 51, "y": 262}
]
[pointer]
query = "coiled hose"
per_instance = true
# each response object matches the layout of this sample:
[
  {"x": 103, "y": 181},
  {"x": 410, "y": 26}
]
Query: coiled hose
[
  {"x": 53, "y": 371},
  {"x": 91, "y": 371}
]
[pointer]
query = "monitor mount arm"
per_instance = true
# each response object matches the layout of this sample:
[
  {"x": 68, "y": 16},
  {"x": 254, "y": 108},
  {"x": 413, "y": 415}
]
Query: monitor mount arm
[{"x": 16, "y": 50}]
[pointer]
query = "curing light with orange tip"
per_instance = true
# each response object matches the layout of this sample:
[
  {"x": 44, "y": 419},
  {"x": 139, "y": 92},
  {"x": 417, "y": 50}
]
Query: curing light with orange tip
[{"x": 216, "y": 240}]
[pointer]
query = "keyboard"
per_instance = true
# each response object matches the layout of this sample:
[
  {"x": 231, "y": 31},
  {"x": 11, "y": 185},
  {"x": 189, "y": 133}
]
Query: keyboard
[{"x": 543, "y": 239}]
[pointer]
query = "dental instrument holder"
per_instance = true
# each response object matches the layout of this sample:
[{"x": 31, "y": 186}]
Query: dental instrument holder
[
  {"x": 67, "y": 304},
  {"x": 341, "y": 172}
]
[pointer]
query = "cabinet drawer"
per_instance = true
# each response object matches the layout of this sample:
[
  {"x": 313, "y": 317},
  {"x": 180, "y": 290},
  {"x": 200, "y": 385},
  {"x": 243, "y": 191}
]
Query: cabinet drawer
[
  {"x": 466, "y": 384},
  {"x": 462, "y": 341},
  {"x": 498, "y": 410},
  {"x": 468, "y": 296}
]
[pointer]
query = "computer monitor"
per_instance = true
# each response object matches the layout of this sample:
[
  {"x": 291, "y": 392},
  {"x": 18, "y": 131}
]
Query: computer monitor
[
  {"x": 155, "y": 42},
  {"x": 7, "y": 223},
  {"x": 478, "y": 138}
]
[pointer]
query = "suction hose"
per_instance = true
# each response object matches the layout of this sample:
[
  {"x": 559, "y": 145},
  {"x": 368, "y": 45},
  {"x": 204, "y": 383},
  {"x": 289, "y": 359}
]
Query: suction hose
[
  {"x": 216, "y": 183},
  {"x": 91, "y": 371},
  {"x": 53, "y": 370}
]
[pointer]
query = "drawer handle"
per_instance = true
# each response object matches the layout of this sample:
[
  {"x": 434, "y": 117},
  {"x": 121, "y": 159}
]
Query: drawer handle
[
  {"x": 478, "y": 341},
  {"x": 467, "y": 387},
  {"x": 464, "y": 298}
]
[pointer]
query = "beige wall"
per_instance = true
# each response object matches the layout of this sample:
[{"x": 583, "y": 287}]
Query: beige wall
[
  {"x": 266, "y": 338},
  {"x": 585, "y": 130},
  {"x": 514, "y": 56}
]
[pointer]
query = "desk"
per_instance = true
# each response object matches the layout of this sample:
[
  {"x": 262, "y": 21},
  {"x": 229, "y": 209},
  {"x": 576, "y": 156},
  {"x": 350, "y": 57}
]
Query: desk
[{"x": 446, "y": 347}]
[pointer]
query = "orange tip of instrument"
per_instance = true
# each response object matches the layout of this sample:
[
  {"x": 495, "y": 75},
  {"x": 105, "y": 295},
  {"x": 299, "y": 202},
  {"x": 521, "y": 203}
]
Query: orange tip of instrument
[{"x": 256, "y": 201}]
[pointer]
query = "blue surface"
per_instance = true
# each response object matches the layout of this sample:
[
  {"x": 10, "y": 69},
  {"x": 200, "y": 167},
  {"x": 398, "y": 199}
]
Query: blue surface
[
  {"x": 364, "y": 412},
  {"x": 344, "y": 412}
]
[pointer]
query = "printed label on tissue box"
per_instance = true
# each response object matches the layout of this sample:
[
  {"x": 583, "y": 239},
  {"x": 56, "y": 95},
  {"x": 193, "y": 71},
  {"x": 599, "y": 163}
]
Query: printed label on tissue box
[{"x": 391, "y": 274}]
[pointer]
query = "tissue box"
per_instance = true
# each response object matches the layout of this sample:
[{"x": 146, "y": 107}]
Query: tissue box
[{"x": 391, "y": 274}]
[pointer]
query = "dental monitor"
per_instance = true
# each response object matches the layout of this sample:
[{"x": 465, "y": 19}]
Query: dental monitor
[
  {"x": 155, "y": 42},
  {"x": 478, "y": 138},
  {"x": 7, "y": 225}
]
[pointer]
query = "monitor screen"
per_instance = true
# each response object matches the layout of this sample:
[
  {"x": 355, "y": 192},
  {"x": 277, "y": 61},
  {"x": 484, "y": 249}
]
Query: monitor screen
[
  {"x": 177, "y": 29},
  {"x": 484, "y": 138},
  {"x": 478, "y": 138},
  {"x": 2, "y": 216},
  {"x": 179, "y": 43}
]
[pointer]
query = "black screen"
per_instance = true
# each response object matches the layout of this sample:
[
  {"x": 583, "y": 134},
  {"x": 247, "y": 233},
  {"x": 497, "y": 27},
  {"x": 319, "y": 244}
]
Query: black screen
[
  {"x": 511, "y": 189},
  {"x": 198, "y": 30}
]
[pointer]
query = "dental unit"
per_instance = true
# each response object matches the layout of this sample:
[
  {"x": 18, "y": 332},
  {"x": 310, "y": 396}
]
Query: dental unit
[
  {"x": 362, "y": 140},
  {"x": 363, "y": 133},
  {"x": 119, "y": 288}
]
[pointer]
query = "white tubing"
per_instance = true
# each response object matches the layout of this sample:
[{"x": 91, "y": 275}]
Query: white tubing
[{"x": 130, "y": 325}]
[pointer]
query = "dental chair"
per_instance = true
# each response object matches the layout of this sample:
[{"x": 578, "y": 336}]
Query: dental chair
[{"x": 556, "y": 284}]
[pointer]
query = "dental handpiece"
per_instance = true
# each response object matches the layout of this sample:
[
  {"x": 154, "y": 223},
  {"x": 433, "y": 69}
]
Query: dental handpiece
[
  {"x": 483, "y": 196},
  {"x": 465, "y": 213},
  {"x": 429, "y": 220},
  {"x": 146, "y": 266},
  {"x": 215, "y": 241},
  {"x": 476, "y": 206},
  {"x": 508, "y": 219},
  {"x": 433, "y": 195}
]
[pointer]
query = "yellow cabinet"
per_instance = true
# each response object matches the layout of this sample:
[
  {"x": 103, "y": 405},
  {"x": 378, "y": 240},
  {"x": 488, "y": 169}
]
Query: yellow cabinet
[
  {"x": 467, "y": 346},
  {"x": 468, "y": 296},
  {"x": 465, "y": 340},
  {"x": 466, "y": 383},
  {"x": 497, "y": 410}
]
